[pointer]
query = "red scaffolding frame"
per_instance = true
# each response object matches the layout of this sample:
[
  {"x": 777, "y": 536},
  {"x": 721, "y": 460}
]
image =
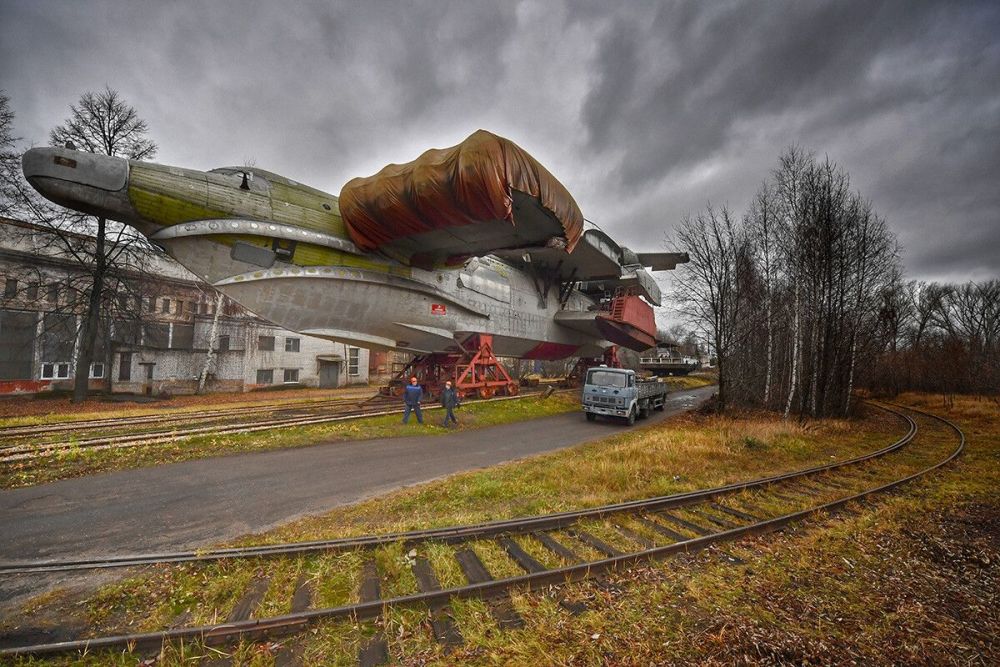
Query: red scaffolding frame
[{"x": 474, "y": 369}]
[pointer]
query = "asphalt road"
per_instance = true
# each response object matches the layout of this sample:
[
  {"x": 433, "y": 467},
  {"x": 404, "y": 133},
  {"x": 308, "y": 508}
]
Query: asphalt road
[{"x": 186, "y": 505}]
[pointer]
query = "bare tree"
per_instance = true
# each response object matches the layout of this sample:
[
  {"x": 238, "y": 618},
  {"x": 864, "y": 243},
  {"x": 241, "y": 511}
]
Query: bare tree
[
  {"x": 101, "y": 123},
  {"x": 791, "y": 297},
  {"x": 789, "y": 184},
  {"x": 708, "y": 288},
  {"x": 11, "y": 190},
  {"x": 761, "y": 223}
]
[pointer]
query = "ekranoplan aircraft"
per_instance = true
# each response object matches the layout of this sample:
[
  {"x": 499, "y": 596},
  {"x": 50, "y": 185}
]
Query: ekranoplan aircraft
[{"x": 464, "y": 253}]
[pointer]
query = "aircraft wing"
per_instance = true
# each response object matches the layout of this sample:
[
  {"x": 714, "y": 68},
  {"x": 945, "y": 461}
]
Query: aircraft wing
[
  {"x": 595, "y": 256},
  {"x": 662, "y": 261}
]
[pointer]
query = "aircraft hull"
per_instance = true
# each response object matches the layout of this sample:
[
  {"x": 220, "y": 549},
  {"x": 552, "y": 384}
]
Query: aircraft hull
[
  {"x": 427, "y": 312},
  {"x": 280, "y": 249}
]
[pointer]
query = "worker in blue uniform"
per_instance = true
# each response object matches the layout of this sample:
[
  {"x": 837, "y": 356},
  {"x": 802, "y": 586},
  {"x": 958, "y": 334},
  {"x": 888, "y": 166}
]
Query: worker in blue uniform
[
  {"x": 412, "y": 395},
  {"x": 449, "y": 401}
]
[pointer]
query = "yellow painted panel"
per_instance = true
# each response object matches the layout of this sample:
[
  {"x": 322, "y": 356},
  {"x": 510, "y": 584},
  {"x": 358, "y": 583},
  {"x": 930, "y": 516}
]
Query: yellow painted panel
[
  {"x": 307, "y": 254},
  {"x": 165, "y": 210}
]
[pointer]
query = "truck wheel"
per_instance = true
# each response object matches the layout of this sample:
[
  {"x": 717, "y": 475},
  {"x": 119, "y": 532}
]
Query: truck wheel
[
  {"x": 631, "y": 417},
  {"x": 590, "y": 416}
]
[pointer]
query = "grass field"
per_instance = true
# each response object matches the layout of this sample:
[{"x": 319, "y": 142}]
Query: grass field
[{"x": 909, "y": 578}]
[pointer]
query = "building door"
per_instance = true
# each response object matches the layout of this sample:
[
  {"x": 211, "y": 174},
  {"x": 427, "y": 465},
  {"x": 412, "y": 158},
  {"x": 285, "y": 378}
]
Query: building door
[
  {"x": 329, "y": 374},
  {"x": 125, "y": 367},
  {"x": 147, "y": 385}
]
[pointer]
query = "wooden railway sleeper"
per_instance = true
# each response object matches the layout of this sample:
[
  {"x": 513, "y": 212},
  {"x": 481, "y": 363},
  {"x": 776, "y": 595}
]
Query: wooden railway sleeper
[
  {"x": 476, "y": 573},
  {"x": 374, "y": 650},
  {"x": 557, "y": 548},
  {"x": 721, "y": 523},
  {"x": 660, "y": 528},
  {"x": 442, "y": 618},
  {"x": 734, "y": 512},
  {"x": 684, "y": 523},
  {"x": 594, "y": 542}
]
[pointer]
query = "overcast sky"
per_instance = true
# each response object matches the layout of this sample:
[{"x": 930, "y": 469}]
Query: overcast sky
[{"x": 646, "y": 113}]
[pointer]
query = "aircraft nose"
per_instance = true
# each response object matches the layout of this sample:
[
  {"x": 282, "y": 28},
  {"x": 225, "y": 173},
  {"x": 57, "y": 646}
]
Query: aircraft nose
[
  {"x": 96, "y": 184},
  {"x": 98, "y": 171}
]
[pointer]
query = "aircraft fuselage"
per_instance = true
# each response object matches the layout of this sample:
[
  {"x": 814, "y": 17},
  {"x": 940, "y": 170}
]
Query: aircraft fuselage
[{"x": 281, "y": 249}]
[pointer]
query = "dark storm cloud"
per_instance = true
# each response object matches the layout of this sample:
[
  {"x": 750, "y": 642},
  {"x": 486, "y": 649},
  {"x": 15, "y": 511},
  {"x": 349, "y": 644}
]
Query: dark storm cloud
[
  {"x": 645, "y": 111},
  {"x": 903, "y": 95}
]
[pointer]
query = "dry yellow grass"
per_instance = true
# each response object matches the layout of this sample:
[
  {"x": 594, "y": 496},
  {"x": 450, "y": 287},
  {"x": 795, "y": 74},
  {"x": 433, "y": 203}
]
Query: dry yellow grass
[{"x": 686, "y": 453}]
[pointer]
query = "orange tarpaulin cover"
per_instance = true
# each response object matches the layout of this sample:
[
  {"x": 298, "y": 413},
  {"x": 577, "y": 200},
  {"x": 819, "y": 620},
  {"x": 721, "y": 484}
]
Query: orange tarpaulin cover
[{"x": 453, "y": 187}]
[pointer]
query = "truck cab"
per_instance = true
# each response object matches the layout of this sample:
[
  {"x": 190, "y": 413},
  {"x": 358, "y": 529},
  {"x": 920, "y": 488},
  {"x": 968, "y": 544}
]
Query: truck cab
[{"x": 620, "y": 393}]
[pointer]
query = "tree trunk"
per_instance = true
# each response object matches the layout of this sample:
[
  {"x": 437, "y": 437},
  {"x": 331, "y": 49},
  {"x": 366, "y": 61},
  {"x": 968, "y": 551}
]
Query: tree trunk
[
  {"x": 213, "y": 338},
  {"x": 850, "y": 375},
  {"x": 91, "y": 320},
  {"x": 770, "y": 352},
  {"x": 795, "y": 354},
  {"x": 814, "y": 360}
]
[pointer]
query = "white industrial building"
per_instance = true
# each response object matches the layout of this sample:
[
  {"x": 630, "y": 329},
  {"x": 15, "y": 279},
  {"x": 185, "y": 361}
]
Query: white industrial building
[{"x": 162, "y": 347}]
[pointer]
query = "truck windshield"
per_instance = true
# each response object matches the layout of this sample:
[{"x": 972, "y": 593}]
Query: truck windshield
[{"x": 606, "y": 378}]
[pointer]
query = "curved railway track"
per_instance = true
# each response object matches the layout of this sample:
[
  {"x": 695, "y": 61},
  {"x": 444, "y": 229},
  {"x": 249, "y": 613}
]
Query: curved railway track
[
  {"x": 545, "y": 550},
  {"x": 171, "y": 428}
]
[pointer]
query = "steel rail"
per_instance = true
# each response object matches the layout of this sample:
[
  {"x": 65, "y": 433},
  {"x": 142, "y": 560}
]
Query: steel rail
[
  {"x": 29, "y": 452},
  {"x": 9, "y": 437},
  {"x": 32, "y": 451},
  {"x": 22, "y": 452},
  {"x": 54, "y": 427},
  {"x": 296, "y": 622},
  {"x": 453, "y": 533}
]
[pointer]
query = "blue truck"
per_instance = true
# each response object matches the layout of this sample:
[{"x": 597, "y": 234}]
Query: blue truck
[{"x": 620, "y": 393}]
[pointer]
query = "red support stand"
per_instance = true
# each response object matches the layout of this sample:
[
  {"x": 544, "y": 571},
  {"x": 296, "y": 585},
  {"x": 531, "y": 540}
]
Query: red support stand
[
  {"x": 473, "y": 371},
  {"x": 483, "y": 374}
]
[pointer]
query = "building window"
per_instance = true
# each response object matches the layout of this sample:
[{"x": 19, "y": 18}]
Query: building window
[
  {"x": 291, "y": 375},
  {"x": 97, "y": 370},
  {"x": 55, "y": 371},
  {"x": 291, "y": 345},
  {"x": 125, "y": 367},
  {"x": 266, "y": 375},
  {"x": 265, "y": 343},
  {"x": 353, "y": 357},
  {"x": 52, "y": 292},
  {"x": 182, "y": 337},
  {"x": 10, "y": 288},
  {"x": 31, "y": 292},
  {"x": 223, "y": 343},
  {"x": 165, "y": 306}
]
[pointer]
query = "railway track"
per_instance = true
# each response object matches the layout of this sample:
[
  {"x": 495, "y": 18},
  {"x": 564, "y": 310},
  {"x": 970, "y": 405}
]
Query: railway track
[
  {"x": 171, "y": 428},
  {"x": 9, "y": 434},
  {"x": 540, "y": 551}
]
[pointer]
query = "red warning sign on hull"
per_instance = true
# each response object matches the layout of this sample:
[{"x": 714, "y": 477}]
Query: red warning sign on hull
[{"x": 439, "y": 309}]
